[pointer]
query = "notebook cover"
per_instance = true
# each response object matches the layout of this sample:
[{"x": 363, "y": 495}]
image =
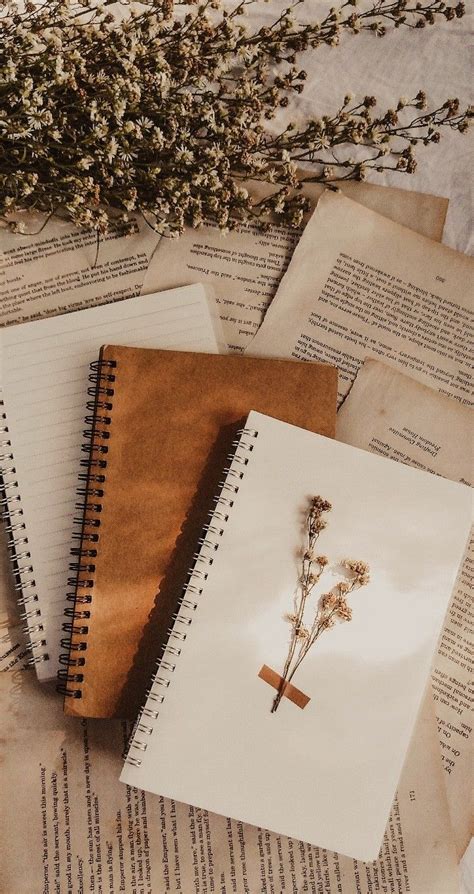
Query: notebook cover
[
  {"x": 174, "y": 416},
  {"x": 45, "y": 367},
  {"x": 334, "y": 569}
]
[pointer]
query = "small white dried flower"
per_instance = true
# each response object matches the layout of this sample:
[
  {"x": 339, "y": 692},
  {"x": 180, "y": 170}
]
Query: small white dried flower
[
  {"x": 181, "y": 125},
  {"x": 17, "y": 226}
]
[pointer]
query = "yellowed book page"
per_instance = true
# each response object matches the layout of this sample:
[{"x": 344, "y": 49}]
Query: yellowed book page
[
  {"x": 246, "y": 265},
  {"x": 86, "y": 831},
  {"x": 361, "y": 285},
  {"x": 61, "y": 269},
  {"x": 390, "y": 414},
  {"x": 14, "y": 651}
]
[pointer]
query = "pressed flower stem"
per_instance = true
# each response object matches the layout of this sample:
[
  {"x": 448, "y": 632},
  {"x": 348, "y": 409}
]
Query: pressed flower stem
[
  {"x": 331, "y": 605},
  {"x": 295, "y": 667},
  {"x": 309, "y": 579}
]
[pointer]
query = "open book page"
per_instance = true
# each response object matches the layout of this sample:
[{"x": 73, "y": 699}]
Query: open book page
[
  {"x": 89, "y": 832},
  {"x": 14, "y": 650},
  {"x": 394, "y": 416},
  {"x": 46, "y": 376},
  {"x": 60, "y": 269},
  {"x": 360, "y": 285},
  {"x": 246, "y": 265},
  {"x": 466, "y": 868}
]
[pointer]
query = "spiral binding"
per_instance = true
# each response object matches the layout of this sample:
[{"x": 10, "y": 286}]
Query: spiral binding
[
  {"x": 209, "y": 543},
  {"x": 11, "y": 512},
  {"x": 90, "y": 494}
]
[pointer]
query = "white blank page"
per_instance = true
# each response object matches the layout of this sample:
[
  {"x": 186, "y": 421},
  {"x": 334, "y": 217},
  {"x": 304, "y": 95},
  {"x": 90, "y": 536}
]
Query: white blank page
[
  {"x": 326, "y": 774},
  {"x": 45, "y": 381}
]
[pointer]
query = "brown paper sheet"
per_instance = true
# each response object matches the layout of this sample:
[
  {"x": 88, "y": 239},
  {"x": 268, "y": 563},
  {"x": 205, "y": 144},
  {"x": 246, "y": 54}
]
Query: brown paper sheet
[{"x": 173, "y": 421}]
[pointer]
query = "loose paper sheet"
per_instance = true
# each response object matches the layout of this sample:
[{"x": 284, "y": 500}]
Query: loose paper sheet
[
  {"x": 59, "y": 269},
  {"x": 14, "y": 650},
  {"x": 88, "y": 832},
  {"x": 360, "y": 285},
  {"x": 392, "y": 415},
  {"x": 246, "y": 266}
]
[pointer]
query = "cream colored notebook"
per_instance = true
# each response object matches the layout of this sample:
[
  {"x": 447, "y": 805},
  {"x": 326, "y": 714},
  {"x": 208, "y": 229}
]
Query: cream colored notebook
[
  {"x": 45, "y": 389},
  {"x": 378, "y": 544}
]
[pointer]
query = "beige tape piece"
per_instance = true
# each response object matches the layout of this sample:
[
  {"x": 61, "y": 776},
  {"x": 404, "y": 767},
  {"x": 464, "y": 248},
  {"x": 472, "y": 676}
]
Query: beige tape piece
[{"x": 273, "y": 679}]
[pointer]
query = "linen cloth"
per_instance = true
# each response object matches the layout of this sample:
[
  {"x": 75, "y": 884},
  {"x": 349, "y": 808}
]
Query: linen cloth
[{"x": 435, "y": 59}]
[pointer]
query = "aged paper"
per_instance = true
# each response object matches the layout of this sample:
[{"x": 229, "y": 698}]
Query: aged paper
[
  {"x": 360, "y": 285},
  {"x": 14, "y": 650},
  {"x": 88, "y": 832},
  {"x": 392, "y": 415},
  {"x": 466, "y": 869},
  {"x": 246, "y": 266},
  {"x": 60, "y": 269}
]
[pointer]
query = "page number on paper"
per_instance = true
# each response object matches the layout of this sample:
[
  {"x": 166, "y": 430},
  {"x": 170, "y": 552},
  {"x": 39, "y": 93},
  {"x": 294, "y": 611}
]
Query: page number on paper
[
  {"x": 412, "y": 796},
  {"x": 440, "y": 279}
]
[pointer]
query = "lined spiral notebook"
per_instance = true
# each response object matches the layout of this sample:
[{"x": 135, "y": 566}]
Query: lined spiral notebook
[
  {"x": 45, "y": 382},
  {"x": 164, "y": 423},
  {"x": 207, "y": 735}
]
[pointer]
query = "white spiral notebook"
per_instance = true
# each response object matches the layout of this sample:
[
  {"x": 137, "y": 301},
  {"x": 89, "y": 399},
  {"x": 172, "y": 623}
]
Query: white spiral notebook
[
  {"x": 319, "y": 591},
  {"x": 46, "y": 382}
]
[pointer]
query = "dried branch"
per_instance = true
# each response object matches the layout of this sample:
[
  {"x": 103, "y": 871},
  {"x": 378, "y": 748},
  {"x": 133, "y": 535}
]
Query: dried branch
[
  {"x": 166, "y": 112},
  {"x": 331, "y": 606}
]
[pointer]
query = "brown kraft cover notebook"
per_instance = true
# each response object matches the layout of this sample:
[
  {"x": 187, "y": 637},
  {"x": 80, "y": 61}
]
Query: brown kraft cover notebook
[{"x": 163, "y": 426}]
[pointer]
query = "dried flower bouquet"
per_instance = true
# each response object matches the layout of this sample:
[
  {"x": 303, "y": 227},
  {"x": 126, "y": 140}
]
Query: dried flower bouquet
[
  {"x": 331, "y": 606},
  {"x": 163, "y": 108}
]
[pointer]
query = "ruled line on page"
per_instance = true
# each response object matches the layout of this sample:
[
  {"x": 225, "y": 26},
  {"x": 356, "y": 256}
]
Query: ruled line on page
[
  {"x": 166, "y": 338},
  {"x": 49, "y": 342},
  {"x": 46, "y": 376},
  {"x": 118, "y": 319}
]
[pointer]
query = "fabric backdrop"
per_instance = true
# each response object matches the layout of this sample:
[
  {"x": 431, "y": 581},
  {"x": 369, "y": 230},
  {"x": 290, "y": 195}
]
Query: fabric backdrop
[{"x": 435, "y": 59}]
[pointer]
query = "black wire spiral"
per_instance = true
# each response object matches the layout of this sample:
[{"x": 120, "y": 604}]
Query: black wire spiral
[{"x": 87, "y": 533}]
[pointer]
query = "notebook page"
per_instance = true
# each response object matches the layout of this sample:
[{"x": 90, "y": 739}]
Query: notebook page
[
  {"x": 306, "y": 771},
  {"x": 45, "y": 380}
]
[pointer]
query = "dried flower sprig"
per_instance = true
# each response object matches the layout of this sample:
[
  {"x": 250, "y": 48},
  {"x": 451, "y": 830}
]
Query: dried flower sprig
[
  {"x": 332, "y": 606},
  {"x": 164, "y": 110}
]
